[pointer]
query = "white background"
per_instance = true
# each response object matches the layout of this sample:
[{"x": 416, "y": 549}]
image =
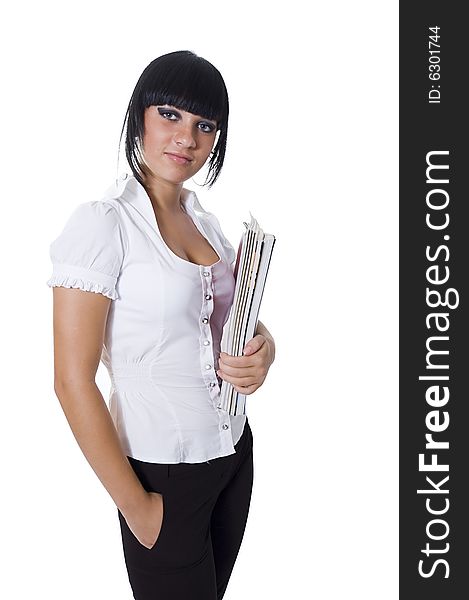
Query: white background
[{"x": 312, "y": 153}]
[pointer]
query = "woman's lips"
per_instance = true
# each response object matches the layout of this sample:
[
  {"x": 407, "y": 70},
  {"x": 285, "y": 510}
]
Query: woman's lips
[{"x": 179, "y": 159}]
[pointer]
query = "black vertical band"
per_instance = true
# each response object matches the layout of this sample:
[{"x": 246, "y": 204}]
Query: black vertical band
[{"x": 434, "y": 257}]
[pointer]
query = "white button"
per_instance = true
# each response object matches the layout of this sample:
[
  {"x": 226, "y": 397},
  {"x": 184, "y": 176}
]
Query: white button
[
  {"x": 218, "y": 405},
  {"x": 208, "y": 297},
  {"x": 225, "y": 426},
  {"x": 208, "y": 366},
  {"x": 124, "y": 176},
  {"x": 206, "y": 342},
  {"x": 206, "y": 273},
  {"x": 205, "y": 320},
  {"x": 213, "y": 384}
]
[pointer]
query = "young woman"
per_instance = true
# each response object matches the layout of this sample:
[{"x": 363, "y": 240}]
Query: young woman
[{"x": 160, "y": 272}]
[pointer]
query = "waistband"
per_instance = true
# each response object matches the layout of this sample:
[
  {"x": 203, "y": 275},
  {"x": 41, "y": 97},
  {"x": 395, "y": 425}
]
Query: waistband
[{"x": 144, "y": 376}]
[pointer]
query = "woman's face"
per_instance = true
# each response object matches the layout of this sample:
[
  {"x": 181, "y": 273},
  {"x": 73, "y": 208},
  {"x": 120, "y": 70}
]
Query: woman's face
[{"x": 176, "y": 143}]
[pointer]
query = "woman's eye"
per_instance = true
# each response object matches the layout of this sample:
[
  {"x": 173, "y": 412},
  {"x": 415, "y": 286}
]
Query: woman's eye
[
  {"x": 172, "y": 116},
  {"x": 164, "y": 113},
  {"x": 207, "y": 127}
]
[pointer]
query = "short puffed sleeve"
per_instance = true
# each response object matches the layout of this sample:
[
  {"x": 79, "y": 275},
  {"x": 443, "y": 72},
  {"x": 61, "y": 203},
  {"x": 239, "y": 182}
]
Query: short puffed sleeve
[{"x": 89, "y": 251}]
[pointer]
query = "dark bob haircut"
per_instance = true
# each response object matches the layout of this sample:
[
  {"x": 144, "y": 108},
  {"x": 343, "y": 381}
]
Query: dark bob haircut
[{"x": 188, "y": 82}]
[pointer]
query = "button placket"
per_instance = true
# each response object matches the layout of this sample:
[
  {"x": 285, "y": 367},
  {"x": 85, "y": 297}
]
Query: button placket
[{"x": 207, "y": 358}]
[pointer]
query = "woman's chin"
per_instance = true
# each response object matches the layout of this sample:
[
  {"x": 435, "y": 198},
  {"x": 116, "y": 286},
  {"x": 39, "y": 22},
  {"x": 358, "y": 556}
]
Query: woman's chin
[{"x": 171, "y": 176}]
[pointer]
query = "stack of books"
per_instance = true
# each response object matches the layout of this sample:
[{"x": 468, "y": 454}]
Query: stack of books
[{"x": 250, "y": 272}]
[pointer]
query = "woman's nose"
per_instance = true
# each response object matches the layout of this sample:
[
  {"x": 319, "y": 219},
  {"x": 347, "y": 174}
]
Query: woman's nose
[{"x": 184, "y": 136}]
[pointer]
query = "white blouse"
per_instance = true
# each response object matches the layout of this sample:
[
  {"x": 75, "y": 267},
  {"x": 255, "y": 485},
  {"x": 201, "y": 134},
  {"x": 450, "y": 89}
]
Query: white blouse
[{"x": 164, "y": 326}]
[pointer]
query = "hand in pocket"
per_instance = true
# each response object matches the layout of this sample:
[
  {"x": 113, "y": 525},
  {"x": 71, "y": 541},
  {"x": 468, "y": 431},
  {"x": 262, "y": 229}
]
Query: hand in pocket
[{"x": 146, "y": 520}]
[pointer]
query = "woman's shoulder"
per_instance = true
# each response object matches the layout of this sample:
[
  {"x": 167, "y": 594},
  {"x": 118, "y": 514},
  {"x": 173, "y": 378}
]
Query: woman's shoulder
[
  {"x": 104, "y": 211},
  {"x": 97, "y": 219}
]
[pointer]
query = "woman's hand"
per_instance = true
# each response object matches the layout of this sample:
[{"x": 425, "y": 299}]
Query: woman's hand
[
  {"x": 146, "y": 520},
  {"x": 247, "y": 373}
]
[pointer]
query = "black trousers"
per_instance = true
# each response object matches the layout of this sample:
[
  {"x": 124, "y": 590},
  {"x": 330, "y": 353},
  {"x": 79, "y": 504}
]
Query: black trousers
[{"x": 205, "y": 509}]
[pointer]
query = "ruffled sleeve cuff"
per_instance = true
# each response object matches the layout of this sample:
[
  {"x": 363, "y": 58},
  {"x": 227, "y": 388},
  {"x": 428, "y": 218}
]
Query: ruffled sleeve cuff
[{"x": 71, "y": 276}]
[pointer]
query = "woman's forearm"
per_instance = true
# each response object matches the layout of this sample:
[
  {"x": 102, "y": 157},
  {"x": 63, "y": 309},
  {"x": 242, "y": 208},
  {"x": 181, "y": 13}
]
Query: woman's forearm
[{"x": 94, "y": 430}]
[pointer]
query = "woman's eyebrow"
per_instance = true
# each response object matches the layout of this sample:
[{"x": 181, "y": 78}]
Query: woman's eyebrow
[{"x": 214, "y": 121}]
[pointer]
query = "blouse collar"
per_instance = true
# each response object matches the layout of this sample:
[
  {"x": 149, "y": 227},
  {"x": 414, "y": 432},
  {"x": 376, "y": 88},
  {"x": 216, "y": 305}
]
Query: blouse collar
[{"x": 130, "y": 189}]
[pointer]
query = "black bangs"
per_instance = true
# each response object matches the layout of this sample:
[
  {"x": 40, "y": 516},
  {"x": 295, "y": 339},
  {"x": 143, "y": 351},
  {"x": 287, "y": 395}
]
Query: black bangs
[
  {"x": 188, "y": 82},
  {"x": 194, "y": 86}
]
